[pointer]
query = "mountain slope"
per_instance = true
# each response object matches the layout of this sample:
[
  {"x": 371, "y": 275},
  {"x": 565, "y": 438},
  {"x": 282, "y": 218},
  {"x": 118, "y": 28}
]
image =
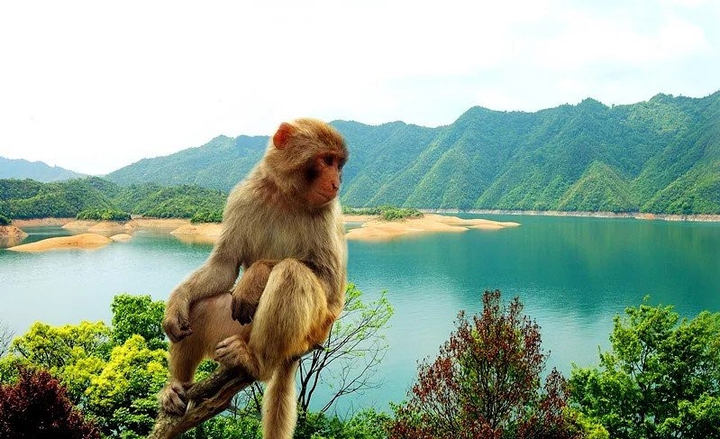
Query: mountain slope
[
  {"x": 39, "y": 171},
  {"x": 658, "y": 156}
]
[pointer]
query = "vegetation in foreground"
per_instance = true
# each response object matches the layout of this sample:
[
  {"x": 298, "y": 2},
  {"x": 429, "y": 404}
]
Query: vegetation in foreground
[{"x": 660, "y": 379}]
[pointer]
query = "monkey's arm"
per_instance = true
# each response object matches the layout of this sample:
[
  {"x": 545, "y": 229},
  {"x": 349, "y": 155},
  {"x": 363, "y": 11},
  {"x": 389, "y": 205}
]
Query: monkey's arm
[{"x": 216, "y": 276}]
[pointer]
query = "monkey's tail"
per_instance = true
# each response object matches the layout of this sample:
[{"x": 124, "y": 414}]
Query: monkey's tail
[{"x": 280, "y": 403}]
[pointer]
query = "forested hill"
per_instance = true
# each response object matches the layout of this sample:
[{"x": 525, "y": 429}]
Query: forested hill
[
  {"x": 11, "y": 168},
  {"x": 661, "y": 156},
  {"x": 67, "y": 199}
]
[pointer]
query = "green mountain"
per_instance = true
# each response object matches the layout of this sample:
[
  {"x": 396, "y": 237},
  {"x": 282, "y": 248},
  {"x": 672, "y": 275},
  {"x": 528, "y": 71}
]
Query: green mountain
[
  {"x": 11, "y": 168},
  {"x": 660, "y": 156},
  {"x": 33, "y": 199}
]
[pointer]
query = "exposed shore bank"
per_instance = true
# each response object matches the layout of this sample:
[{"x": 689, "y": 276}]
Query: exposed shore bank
[
  {"x": 379, "y": 230},
  {"x": 205, "y": 233},
  {"x": 11, "y": 235},
  {"x": 635, "y": 215},
  {"x": 81, "y": 241}
]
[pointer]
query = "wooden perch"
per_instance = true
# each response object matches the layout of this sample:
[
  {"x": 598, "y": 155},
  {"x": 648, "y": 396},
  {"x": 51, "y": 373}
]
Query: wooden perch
[{"x": 206, "y": 399}]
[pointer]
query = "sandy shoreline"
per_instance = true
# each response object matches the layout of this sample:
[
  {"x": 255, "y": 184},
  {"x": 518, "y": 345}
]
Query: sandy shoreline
[
  {"x": 89, "y": 234},
  {"x": 81, "y": 241},
  {"x": 11, "y": 235},
  {"x": 378, "y": 230},
  {"x": 205, "y": 233}
]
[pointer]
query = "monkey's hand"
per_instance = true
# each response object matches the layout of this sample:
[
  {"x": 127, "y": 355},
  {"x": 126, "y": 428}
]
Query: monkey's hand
[
  {"x": 243, "y": 308},
  {"x": 177, "y": 321}
]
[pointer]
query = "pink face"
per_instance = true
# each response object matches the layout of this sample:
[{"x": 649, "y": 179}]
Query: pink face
[{"x": 326, "y": 185}]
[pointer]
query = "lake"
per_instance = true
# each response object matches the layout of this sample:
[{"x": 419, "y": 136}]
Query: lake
[{"x": 572, "y": 274}]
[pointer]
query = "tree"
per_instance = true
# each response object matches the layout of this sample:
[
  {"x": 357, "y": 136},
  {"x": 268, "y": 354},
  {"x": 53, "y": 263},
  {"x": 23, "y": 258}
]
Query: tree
[
  {"x": 486, "y": 383},
  {"x": 37, "y": 407},
  {"x": 138, "y": 315},
  {"x": 113, "y": 373},
  {"x": 123, "y": 395},
  {"x": 661, "y": 378},
  {"x": 351, "y": 354},
  {"x": 73, "y": 353}
]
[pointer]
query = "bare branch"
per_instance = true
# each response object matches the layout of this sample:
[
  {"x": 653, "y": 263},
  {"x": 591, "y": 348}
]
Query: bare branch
[{"x": 6, "y": 336}]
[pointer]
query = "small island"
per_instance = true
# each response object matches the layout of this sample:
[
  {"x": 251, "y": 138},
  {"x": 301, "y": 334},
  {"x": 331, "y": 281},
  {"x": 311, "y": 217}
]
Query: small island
[
  {"x": 386, "y": 223},
  {"x": 82, "y": 241}
]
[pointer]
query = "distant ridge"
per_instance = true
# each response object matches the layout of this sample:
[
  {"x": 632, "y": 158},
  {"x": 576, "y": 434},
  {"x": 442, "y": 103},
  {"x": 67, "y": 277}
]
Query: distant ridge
[
  {"x": 659, "y": 156},
  {"x": 40, "y": 171}
]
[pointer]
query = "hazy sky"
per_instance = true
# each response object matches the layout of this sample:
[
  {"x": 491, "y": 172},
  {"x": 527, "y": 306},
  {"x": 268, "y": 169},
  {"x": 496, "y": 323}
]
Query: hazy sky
[{"x": 93, "y": 86}]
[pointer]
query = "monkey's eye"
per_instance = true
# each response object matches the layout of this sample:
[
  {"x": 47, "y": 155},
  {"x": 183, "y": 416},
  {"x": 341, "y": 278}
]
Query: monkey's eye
[{"x": 328, "y": 160}]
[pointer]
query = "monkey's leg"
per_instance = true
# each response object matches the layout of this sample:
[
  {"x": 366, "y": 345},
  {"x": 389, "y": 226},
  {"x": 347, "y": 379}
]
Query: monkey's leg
[
  {"x": 213, "y": 321},
  {"x": 292, "y": 305}
]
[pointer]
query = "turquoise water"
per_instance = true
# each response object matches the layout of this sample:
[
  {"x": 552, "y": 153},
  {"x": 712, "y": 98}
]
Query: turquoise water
[{"x": 573, "y": 275}]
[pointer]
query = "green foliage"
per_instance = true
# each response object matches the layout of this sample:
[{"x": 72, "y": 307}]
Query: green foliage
[
  {"x": 393, "y": 214},
  {"x": 388, "y": 213},
  {"x": 207, "y": 216},
  {"x": 361, "y": 211},
  {"x": 113, "y": 374},
  {"x": 352, "y": 353},
  {"x": 138, "y": 315},
  {"x": 73, "y": 353},
  {"x": 97, "y": 199},
  {"x": 103, "y": 215},
  {"x": 367, "y": 424},
  {"x": 170, "y": 202},
  {"x": 30, "y": 199},
  {"x": 661, "y": 378},
  {"x": 5, "y": 221},
  {"x": 123, "y": 395},
  {"x": 219, "y": 164}
]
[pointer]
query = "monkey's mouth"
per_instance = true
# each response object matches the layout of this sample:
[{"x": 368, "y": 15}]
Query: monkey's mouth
[{"x": 327, "y": 198}]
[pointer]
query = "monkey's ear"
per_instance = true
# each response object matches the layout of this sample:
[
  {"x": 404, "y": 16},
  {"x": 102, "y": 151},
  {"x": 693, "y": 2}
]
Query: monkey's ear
[{"x": 280, "y": 139}]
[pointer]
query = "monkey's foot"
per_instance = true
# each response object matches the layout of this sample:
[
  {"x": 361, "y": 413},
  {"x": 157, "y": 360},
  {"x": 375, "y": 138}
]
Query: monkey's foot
[
  {"x": 244, "y": 310},
  {"x": 173, "y": 399},
  {"x": 234, "y": 352}
]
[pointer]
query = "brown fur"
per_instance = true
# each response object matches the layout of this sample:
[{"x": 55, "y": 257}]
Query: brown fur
[{"x": 282, "y": 225}]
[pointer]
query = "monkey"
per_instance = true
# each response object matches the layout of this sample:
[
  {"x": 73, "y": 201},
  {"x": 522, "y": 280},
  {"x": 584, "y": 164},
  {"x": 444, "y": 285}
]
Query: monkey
[{"x": 282, "y": 225}]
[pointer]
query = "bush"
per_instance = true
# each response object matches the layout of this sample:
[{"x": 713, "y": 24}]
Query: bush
[
  {"x": 207, "y": 216},
  {"x": 660, "y": 379},
  {"x": 103, "y": 215},
  {"x": 37, "y": 407},
  {"x": 388, "y": 213},
  {"x": 486, "y": 383},
  {"x": 5, "y": 221}
]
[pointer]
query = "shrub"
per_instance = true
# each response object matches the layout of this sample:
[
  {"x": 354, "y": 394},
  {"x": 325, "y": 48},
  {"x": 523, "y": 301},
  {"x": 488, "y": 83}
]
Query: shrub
[{"x": 37, "y": 406}]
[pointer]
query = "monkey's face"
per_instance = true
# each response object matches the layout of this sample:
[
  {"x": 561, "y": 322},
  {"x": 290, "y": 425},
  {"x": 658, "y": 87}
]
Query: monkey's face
[
  {"x": 324, "y": 176},
  {"x": 307, "y": 157}
]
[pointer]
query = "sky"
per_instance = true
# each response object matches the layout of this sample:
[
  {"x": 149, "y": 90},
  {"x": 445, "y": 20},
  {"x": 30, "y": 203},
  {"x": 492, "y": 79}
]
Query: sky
[{"x": 93, "y": 86}]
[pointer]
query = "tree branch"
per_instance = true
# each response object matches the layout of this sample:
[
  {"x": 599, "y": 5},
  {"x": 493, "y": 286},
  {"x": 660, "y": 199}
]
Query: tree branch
[{"x": 206, "y": 399}]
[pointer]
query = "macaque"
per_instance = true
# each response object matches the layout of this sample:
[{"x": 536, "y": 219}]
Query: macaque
[{"x": 282, "y": 225}]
